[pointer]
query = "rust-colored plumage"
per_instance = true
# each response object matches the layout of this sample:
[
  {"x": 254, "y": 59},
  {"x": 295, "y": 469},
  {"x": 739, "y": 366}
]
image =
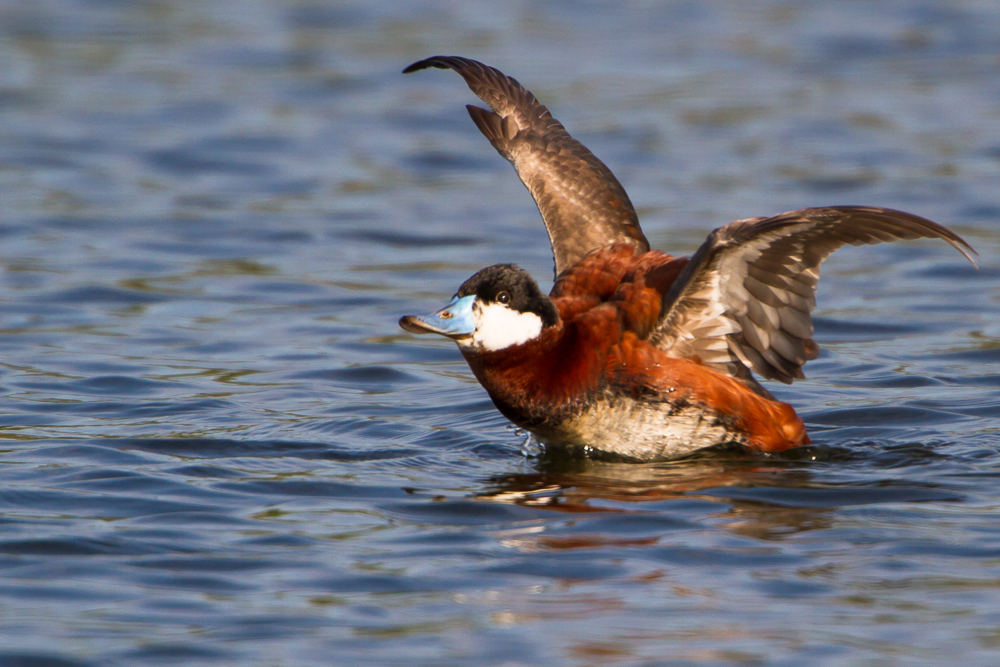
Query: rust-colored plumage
[
  {"x": 636, "y": 353},
  {"x": 608, "y": 304}
]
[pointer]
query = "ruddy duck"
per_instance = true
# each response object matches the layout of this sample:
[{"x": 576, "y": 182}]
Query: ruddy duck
[{"x": 634, "y": 353}]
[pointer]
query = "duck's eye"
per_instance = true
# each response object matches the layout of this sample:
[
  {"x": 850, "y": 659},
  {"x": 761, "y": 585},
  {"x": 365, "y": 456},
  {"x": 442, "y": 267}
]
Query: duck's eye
[{"x": 503, "y": 297}]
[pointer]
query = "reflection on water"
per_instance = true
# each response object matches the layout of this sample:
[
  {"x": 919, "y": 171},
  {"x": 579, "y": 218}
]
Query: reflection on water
[
  {"x": 216, "y": 447},
  {"x": 638, "y": 491},
  {"x": 766, "y": 497},
  {"x": 579, "y": 485}
]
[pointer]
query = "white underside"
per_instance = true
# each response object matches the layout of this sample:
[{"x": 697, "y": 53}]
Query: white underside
[
  {"x": 642, "y": 430},
  {"x": 499, "y": 327}
]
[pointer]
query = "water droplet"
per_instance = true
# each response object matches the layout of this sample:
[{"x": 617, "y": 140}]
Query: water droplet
[{"x": 530, "y": 446}]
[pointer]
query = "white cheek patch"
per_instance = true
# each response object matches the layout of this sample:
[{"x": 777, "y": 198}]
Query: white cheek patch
[{"x": 498, "y": 327}]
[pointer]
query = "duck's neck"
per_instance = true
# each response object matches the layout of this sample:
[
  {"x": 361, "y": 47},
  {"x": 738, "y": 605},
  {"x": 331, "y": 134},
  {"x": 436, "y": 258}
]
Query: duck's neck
[{"x": 527, "y": 381}]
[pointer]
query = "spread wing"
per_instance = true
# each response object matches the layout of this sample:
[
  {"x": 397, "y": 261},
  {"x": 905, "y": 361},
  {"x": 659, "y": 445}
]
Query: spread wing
[
  {"x": 582, "y": 203},
  {"x": 744, "y": 300}
]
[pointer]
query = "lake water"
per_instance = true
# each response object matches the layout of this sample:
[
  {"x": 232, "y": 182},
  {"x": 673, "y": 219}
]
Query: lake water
[{"x": 218, "y": 448}]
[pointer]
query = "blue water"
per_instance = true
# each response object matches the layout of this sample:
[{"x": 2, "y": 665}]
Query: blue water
[{"x": 217, "y": 448}]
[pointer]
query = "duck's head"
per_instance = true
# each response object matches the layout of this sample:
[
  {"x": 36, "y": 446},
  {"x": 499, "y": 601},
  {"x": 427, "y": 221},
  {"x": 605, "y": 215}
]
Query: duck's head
[{"x": 499, "y": 307}]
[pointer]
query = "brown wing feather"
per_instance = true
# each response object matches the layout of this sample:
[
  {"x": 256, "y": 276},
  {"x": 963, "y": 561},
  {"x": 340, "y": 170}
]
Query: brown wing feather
[
  {"x": 745, "y": 299},
  {"x": 582, "y": 203}
]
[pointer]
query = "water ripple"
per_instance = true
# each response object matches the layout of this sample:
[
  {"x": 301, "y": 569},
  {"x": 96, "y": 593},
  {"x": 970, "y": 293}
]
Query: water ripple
[{"x": 218, "y": 448}]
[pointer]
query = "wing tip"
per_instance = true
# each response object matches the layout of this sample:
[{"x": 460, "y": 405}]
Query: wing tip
[
  {"x": 440, "y": 62},
  {"x": 917, "y": 225},
  {"x": 967, "y": 250},
  {"x": 934, "y": 230},
  {"x": 942, "y": 232},
  {"x": 426, "y": 63}
]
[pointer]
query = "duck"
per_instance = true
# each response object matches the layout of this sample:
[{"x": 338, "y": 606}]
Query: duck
[{"x": 637, "y": 355}]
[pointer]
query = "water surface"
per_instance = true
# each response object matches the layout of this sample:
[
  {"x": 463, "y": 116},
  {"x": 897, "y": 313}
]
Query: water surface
[{"x": 218, "y": 448}]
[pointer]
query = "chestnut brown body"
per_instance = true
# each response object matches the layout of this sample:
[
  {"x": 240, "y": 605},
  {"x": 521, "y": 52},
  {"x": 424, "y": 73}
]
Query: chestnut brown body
[
  {"x": 595, "y": 380},
  {"x": 636, "y": 353}
]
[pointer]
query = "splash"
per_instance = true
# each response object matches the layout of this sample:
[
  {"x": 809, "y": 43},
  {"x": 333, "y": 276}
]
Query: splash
[{"x": 530, "y": 446}]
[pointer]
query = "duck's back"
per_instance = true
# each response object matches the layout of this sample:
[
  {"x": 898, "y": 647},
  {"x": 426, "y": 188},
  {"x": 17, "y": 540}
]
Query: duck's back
[{"x": 640, "y": 401}]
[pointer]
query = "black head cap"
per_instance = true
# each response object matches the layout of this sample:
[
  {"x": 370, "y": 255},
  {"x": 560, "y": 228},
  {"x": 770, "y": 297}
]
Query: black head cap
[{"x": 513, "y": 286}]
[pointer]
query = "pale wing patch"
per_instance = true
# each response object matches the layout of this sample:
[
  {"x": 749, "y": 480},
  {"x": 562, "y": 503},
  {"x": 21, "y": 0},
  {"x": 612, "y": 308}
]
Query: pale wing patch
[
  {"x": 499, "y": 327},
  {"x": 705, "y": 335},
  {"x": 752, "y": 284}
]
